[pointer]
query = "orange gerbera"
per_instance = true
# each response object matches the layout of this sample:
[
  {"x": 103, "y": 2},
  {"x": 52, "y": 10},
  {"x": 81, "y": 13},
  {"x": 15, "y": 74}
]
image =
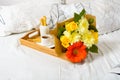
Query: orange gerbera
[{"x": 76, "y": 52}]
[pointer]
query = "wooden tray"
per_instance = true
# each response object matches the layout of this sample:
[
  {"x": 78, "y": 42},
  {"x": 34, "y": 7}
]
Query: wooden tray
[
  {"x": 57, "y": 51},
  {"x": 31, "y": 42}
]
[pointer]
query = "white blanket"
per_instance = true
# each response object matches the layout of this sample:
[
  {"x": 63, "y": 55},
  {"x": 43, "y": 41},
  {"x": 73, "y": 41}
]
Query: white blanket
[{"x": 18, "y": 62}]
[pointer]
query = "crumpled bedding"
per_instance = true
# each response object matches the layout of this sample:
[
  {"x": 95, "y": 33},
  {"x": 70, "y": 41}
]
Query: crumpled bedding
[{"x": 18, "y": 62}]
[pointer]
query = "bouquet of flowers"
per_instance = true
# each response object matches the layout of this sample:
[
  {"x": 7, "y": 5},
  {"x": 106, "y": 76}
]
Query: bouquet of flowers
[{"x": 78, "y": 36}]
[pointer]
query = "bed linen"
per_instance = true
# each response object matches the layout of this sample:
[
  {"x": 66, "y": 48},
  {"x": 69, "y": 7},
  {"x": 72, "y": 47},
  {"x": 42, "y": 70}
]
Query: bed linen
[{"x": 18, "y": 62}]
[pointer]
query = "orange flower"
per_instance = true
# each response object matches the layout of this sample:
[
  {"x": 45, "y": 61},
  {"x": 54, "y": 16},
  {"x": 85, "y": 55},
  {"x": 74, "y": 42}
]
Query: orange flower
[{"x": 76, "y": 52}]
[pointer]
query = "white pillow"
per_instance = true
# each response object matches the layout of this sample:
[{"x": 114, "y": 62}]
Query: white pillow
[
  {"x": 107, "y": 14},
  {"x": 13, "y": 20},
  {"x": 23, "y": 17}
]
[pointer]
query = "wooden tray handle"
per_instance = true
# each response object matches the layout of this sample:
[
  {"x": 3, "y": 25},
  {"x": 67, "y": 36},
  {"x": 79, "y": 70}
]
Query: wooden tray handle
[{"x": 29, "y": 33}]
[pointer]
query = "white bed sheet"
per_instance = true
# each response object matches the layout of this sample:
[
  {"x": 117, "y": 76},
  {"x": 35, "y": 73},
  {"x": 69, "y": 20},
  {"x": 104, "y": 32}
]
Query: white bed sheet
[{"x": 18, "y": 62}]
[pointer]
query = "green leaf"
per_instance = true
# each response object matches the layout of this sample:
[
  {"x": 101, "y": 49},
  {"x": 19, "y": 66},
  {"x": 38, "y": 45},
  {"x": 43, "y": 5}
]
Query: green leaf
[
  {"x": 60, "y": 31},
  {"x": 91, "y": 27},
  {"x": 91, "y": 20},
  {"x": 77, "y": 17},
  {"x": 93, "y": 49},
  {"x": 87, "y": 50},
  {"x": 83, "y": 12}
]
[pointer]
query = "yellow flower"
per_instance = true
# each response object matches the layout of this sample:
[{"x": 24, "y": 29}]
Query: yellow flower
[
  {"x": 88, "y": 39},
  {"x": 83, "y": 25},
  {"x": 65, "y": 45},
  {"x": 65, "y": 41},
  {"x": 71, "y": 26},
  {"x": 75, "y": 37},
  {"x": 67, "y": 34},
  {"x": 95, "y": 34}
]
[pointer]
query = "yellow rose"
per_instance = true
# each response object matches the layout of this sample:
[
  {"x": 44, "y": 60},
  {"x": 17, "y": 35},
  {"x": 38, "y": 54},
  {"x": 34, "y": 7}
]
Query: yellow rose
[
  {"x": 65, "y": 45},
  {"x": 71, "y": 26},
  {"x": 65, "y": 41}
]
